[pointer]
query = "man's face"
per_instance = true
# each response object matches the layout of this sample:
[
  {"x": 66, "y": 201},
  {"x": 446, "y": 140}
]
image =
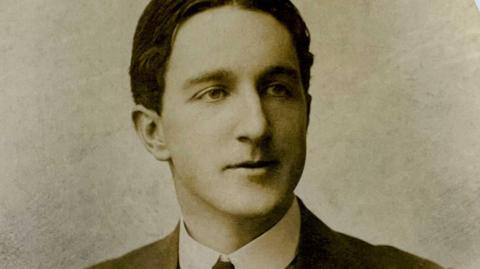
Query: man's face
[{"x": 234, "y": 112}]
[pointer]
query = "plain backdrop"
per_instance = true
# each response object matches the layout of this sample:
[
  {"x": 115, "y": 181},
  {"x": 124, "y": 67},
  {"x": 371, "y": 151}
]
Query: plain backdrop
[{"x": 393, "y": 148}]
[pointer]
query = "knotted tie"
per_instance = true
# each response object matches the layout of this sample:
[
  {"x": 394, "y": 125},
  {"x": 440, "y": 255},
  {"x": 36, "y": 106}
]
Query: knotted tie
[{"x": 223, "y": 264}]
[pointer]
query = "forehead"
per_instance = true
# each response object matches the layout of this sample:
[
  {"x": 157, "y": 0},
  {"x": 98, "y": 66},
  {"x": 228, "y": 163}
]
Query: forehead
[{"x": 231, "y": 37}]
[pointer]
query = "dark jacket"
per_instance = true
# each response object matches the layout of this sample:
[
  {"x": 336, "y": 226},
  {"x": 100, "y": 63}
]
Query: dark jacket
[{"x": 319, "y": 247}]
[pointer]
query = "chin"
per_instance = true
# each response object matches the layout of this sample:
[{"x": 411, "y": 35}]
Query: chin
[{"x": 254, "y": 204}]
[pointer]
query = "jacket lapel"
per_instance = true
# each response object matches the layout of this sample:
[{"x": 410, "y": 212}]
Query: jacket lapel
[
  {"x": 319, "y": 246},
  {"x": 168, "y": 257}
]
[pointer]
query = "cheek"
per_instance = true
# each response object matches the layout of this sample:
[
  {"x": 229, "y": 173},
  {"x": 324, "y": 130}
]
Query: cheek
[
  {"x": 194, "y": 139},
  {"x": 291, "y": 123},
  {"x": 290, "y": 131},
  {"x": 209, "y": 129}
]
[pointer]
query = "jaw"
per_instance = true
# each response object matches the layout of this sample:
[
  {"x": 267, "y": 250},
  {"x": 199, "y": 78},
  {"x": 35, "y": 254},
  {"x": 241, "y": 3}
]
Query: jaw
[{"x": 233, "y": 225}]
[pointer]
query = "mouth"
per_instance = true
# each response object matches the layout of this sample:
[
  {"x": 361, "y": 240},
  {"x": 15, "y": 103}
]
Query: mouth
[{"x": 254, "y": 165}]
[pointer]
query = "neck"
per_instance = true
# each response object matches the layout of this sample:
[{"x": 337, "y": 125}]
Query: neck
[{"x": 226, "y": 233}]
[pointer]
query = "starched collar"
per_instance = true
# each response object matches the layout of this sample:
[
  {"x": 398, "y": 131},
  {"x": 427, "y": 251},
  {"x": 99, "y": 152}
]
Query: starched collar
[{"x": 276, "y": 248}]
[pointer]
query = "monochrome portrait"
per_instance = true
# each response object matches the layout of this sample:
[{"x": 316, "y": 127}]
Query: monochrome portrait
[{"x": 240, "y": 134}]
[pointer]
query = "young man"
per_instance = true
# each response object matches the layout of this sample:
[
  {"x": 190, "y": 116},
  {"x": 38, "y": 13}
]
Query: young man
[{"x": 221, "y": 89}]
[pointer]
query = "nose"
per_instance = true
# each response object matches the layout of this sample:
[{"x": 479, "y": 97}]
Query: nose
[{"x": 253, "y": 124}]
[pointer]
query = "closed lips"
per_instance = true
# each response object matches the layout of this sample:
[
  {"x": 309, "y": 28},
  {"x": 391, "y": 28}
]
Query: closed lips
[{"x": 253, "y": 164}]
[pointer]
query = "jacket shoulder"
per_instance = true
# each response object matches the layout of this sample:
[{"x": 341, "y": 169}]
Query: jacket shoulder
[
  {"x": 160, "y": 254},
  {"x": 383, "y": 256},
  {"x": 323, "y": 247}
]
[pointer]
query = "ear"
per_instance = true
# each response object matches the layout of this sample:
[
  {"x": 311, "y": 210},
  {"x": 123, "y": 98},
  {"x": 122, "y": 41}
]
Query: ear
[{"x": 149, "y": 127}]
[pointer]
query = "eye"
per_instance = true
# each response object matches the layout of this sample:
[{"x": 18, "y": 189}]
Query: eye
[
  {"x": 213, "y": 94},
  {"x": 278, "y": 90}
]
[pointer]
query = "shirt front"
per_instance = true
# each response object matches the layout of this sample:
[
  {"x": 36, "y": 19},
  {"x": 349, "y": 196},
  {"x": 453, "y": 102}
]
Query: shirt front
[{"x": 274, "y": 249}]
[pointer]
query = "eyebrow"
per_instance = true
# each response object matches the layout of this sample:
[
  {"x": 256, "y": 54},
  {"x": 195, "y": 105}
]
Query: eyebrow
[
  {"x": 290, "y": 72},
  {"x": 217, "y": 75},
  {"x": 225, "y": 75}
]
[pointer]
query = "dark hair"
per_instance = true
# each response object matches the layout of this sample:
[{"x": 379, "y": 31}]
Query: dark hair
[{"x": 159, "y": 22}]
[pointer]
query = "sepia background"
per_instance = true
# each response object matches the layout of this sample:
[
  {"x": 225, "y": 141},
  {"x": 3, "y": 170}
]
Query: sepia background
[{"x": 394, "y": 138}]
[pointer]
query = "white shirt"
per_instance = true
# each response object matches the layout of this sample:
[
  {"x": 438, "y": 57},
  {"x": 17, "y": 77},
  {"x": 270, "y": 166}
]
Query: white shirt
[{"x": 274, "y": 249}]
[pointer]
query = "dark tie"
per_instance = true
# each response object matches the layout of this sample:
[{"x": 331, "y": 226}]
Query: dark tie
[{"x": 223, "y": 265}]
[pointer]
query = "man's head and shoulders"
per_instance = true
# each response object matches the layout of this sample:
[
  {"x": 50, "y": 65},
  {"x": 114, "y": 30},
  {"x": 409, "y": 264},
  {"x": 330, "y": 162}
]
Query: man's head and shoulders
[{"x": 222, "y": 96}]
